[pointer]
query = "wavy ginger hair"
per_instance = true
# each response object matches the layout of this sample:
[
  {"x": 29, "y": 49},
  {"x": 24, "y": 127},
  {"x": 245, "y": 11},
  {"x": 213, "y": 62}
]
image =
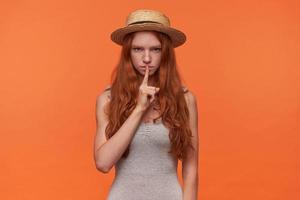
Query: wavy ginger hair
[{"x": 171, "y": 101}]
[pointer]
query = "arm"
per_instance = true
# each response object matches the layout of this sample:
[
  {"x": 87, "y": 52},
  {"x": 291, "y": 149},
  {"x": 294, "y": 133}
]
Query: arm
[
  {"x": 107, "y": 153},
  {"x": 190, "y": 163}
]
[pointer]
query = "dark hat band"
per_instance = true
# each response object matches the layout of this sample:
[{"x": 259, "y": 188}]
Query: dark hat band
[{"x": 142, "y": 22}]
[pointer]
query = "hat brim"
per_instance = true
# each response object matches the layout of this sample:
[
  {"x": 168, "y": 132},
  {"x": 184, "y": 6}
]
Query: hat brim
[{"x": 177, "y": 37}]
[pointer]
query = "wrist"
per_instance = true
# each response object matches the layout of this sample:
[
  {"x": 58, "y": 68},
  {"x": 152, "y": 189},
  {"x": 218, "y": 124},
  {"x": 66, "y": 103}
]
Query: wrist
[{"x": 139, "y": 109}]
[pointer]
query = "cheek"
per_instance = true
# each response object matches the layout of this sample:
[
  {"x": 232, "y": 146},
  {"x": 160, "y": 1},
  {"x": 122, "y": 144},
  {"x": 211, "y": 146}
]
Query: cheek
[
  {"x": 158, "y": 59},
  {"x": 134, "y": 60}
]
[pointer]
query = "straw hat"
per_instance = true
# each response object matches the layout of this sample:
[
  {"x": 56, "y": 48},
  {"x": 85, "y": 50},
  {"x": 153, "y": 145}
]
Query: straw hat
[{"x": 152, "y": 20}]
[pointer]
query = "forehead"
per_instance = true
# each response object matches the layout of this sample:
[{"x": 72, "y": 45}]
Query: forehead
[{"x": 145, "y": 38}]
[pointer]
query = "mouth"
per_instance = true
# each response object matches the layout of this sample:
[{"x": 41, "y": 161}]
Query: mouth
[{"x": 144, "y": 67}]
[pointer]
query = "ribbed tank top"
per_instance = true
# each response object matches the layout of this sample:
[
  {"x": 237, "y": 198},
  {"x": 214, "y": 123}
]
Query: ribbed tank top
[{"x": 149, "y": 172}]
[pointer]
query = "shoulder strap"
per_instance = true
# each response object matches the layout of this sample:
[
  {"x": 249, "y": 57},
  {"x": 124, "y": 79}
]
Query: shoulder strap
[
  {"x": 107, "y": 88},
  {"x": 185, "y": 90}
]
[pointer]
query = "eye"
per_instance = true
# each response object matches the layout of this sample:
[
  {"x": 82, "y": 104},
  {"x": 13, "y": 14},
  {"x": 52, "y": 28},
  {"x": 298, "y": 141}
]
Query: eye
[
  {"x": 136, "y": 49},
  {"x": 157, "y": 49}
]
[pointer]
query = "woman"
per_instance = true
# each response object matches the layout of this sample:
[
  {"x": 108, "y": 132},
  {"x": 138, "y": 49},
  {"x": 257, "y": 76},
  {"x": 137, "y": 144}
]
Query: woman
[{"x": 146, "y": 119}]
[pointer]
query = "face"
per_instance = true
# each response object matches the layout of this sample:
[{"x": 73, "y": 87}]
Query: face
[{"x": 145, "y": 51}]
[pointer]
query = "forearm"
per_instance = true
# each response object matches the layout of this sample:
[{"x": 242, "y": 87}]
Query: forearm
[
  {"x": 190, "y": 189},
  {"x": 113, "y": 149}
]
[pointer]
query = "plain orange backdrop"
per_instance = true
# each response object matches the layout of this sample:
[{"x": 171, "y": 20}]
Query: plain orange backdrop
[{"x": 241, "y": 60}]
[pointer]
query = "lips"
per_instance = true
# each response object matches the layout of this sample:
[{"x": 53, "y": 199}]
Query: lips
[{"x": 144, "y": 67}]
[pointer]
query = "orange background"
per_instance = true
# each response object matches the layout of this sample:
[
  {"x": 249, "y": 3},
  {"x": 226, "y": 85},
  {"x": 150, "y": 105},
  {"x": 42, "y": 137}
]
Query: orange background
[{"x": 241, "y": 60}]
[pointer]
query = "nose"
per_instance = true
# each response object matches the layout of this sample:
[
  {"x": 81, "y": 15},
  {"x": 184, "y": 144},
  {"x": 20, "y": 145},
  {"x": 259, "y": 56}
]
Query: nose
[{"x": 146, "y": 57}]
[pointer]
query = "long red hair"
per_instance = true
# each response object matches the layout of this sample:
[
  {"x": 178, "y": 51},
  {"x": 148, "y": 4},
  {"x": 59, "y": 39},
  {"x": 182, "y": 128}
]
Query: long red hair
[{"x": 171, "y": 101}]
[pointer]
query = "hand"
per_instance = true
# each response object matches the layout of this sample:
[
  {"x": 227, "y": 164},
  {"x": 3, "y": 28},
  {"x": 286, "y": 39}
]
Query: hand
[{"x": 146, "y": 93}]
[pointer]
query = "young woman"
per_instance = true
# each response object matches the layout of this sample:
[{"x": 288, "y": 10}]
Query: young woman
[{"x": 147, "y": 120}]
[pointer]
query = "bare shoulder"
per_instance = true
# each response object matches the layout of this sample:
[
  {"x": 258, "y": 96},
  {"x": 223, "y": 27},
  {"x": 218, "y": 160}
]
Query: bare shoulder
[
  {"x": 102, "y": 99},
  {"x": 191, "y": 101},
  {"x": 104, "y": 96},
  {"x": 107, "y": 90},
  {"x": 190, "y": 97}
]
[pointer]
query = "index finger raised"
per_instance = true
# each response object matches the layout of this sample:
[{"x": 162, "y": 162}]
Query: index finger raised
[{"x": 145, "y": 80}]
